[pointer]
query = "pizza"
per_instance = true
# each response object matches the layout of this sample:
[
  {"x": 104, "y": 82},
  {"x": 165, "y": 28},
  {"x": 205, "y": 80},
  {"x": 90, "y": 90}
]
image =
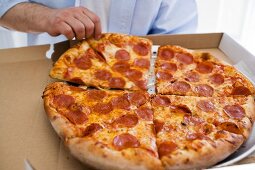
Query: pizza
[
  {"x": 202, "y": 112},
  {"x": 105, "y": 129},
  {"x": 197, "y": 132},
  {"x": 133, "y": 130},
  {"x": 107, "y": 64},
  {"x": 186, "y": 72}
]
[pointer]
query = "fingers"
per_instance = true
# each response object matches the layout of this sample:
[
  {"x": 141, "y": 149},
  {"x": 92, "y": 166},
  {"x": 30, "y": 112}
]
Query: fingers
[
  {"x": 63, "y": 28},
  {"x": 75, "y": 22},
  {"x": 88, "y": 24},
  {"x": 78, "y": 28},
  {"x": 96, "y": 21}
]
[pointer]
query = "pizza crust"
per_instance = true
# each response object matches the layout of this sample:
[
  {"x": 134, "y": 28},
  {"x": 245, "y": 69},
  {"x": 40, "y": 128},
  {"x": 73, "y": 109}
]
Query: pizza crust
[
  {"x": 96, "y": 154},
  {"x": 204, "y": 157},
  {"x": 61, "y": 125},
  {"x": 250, "y": 108}
]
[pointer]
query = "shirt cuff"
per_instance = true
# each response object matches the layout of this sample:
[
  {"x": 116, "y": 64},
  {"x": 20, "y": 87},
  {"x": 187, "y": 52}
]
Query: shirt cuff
[{"x": 5, "y": 5}]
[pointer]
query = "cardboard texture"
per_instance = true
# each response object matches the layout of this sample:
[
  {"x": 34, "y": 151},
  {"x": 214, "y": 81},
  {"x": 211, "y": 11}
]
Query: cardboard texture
[{"x": 25, "y": 130}]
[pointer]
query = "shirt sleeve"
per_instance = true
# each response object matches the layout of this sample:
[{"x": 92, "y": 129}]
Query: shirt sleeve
[
  {"x": 5, "y": 5},
  {"x": 176, "y": 16}
]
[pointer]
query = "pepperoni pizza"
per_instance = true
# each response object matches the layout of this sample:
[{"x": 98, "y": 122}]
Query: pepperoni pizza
[
  {"x": 185, "y": 72},
  {"x": 203, "y": 109},
  {"x": 114, "y": 61},
  {"x": 197, "y": 132},
  {"x": 105, "y": 129},
  {"x": 132, "y": 130}
]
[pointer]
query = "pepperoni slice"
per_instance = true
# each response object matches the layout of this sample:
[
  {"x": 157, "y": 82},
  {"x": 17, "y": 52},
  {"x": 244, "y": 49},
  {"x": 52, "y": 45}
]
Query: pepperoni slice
[
  {"x": 161, "y": 75},
  {"x": 121, "y": 66},
  {"x": 124, "y": 141},
  {"x": 184, "y": 58},
  {"x": 92, "y": 54},
  {"x": 181, "y": 87},
  {"x": 122, "y": 55},
  {"x": 166, "y": 54},
  {"x": 83, "y": 62},
  {"x": 234, "y": 111},
  {"x": 168, "y": 67},
  {"x": 121, "y": 102},
  {"x": 158, "y": 125},
  {"x": 76, "y": 116},
  {"x": 76, "y": 89},
  {"x": 100, "y": 57},
  {"x": 91, "y": 129},
  {"x": 103, "y": 75},
  {"x": 63, "y": 100},
  {"x": 145, "y": 113},
  {"x": 241, "y": 90},
  {"x": 142, "y": 63},
  {"x": 102, "y": 108},
  {"x": 96, "y": 95},
  {"x": 166, "y": 148},
  {"x": 101, "y": 47},
  {"x": 188, "y": 119},
  {"x": 68, "y": 73},
  {"x": 128, "y": 120},
  {"x": 204, "y": 67},
  {"x": 133, "y": 74},
  {"x": 230, "y": 127},
  {"x": 217, "y": 79},
  {"x": 142, "y": 84},
  {"x": 181, "y": 109},
  {"x": 117, "y": 82},
  {"x": 141, "y": 49},
  {"x": 192, "y": 77},
  {"x": 161, "y": 101},
  {"x": 205, "y": 105},
  {"x": 77, "y": 80},
  {"x": 204, "y": 90},
  {"x": 137, "y": 98}
]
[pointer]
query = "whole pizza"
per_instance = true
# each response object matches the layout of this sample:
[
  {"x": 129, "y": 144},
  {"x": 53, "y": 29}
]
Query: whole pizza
[{"x": 203, "y": 109}]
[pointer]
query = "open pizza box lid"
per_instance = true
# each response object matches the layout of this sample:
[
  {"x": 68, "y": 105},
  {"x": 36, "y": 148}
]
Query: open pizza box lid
[{"x": 25, "y": 130}]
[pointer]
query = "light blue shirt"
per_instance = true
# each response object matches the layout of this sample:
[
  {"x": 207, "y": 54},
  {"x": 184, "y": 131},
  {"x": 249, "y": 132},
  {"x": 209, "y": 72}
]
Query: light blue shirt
[{"x": 137, "y": 17}]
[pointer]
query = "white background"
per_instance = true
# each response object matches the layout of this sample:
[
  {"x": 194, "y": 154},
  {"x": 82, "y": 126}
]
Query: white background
[{"x": 235, "y": 17}]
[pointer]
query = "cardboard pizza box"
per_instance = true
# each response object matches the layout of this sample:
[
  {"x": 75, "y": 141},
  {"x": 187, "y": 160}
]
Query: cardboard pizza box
[{"x": 25, "y": 130}]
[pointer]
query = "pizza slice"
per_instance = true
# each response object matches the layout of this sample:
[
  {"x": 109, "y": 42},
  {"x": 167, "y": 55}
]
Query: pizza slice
[
  {"x": 185, "y": 72},
  {"x": 83, "y": 65},
  {"x": 104, "y": 129},
  {"x": 127, "y": 55},
  {"x": 197, "y": 132}
]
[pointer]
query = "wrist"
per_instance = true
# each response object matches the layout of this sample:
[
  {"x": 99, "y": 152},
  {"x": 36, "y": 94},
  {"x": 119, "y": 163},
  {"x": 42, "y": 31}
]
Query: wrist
[
  {"x": 40, "y": 16},
  {"x": 46, "y": 18}
]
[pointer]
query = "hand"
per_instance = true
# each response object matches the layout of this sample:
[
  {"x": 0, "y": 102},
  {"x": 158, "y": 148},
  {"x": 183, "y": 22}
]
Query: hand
[{"x": 76, "y": 22}]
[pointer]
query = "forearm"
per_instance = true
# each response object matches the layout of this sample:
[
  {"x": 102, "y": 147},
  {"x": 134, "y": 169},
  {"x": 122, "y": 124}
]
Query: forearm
[
  {"x": 78, "y": 22},
  {"x": 26, "y": 17}
]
